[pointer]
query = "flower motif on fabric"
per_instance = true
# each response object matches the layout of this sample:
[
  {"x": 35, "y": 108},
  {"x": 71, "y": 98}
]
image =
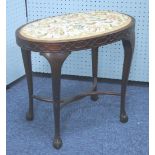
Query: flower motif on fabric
[{"x": 75, "y": 26}]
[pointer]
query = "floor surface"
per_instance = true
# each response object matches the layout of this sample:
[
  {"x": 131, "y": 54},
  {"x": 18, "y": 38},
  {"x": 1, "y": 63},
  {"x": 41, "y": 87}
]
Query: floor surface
[{"x": 87, "y": 127}]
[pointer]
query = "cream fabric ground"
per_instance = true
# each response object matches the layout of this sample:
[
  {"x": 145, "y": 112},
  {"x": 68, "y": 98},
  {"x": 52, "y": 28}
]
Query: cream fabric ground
[{"x": 75, "y": 26}]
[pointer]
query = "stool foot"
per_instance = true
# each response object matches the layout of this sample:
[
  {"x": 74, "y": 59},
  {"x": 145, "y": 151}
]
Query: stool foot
[
  {"x": 123, "y": 118},
  {"x": 29, "y": 116},
  {"x": 57, "y": 143},
  {"x": 94, "y": 97}
]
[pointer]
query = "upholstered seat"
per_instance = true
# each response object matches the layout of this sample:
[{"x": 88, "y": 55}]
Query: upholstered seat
[{"x": 75, "y": 26}]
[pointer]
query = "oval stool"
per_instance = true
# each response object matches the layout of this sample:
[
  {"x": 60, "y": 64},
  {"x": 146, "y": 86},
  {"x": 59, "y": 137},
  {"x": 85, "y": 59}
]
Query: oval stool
[{"x": 56, "y": 37}]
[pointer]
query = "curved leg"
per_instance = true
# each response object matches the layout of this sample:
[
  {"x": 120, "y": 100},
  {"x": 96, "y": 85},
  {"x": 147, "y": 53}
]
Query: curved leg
[
  {"x": 28, "y": 70},
  {"x": 56, "y": 60},
  {"x": 128, "y": 45},
  {"x": 94, "y": 71}
]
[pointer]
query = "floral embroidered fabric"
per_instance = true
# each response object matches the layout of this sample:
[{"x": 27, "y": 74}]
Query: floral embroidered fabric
[{"x": 75, "y": 26}]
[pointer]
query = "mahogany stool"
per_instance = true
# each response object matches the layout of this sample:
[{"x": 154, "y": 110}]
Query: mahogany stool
[{"x": 56, "y": 37}]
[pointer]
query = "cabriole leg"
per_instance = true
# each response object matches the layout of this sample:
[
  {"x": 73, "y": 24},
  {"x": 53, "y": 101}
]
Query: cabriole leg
[
  {"x": 128, "y": 53},
  {"x": 28, "y": 70},
  {"x": 56, "y": 60},
  {"x": 94, "y": 71}
]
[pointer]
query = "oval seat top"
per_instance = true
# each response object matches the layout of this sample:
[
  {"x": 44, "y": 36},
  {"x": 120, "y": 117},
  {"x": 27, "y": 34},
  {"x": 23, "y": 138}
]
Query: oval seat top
[{"x": 76, "y": 26}]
